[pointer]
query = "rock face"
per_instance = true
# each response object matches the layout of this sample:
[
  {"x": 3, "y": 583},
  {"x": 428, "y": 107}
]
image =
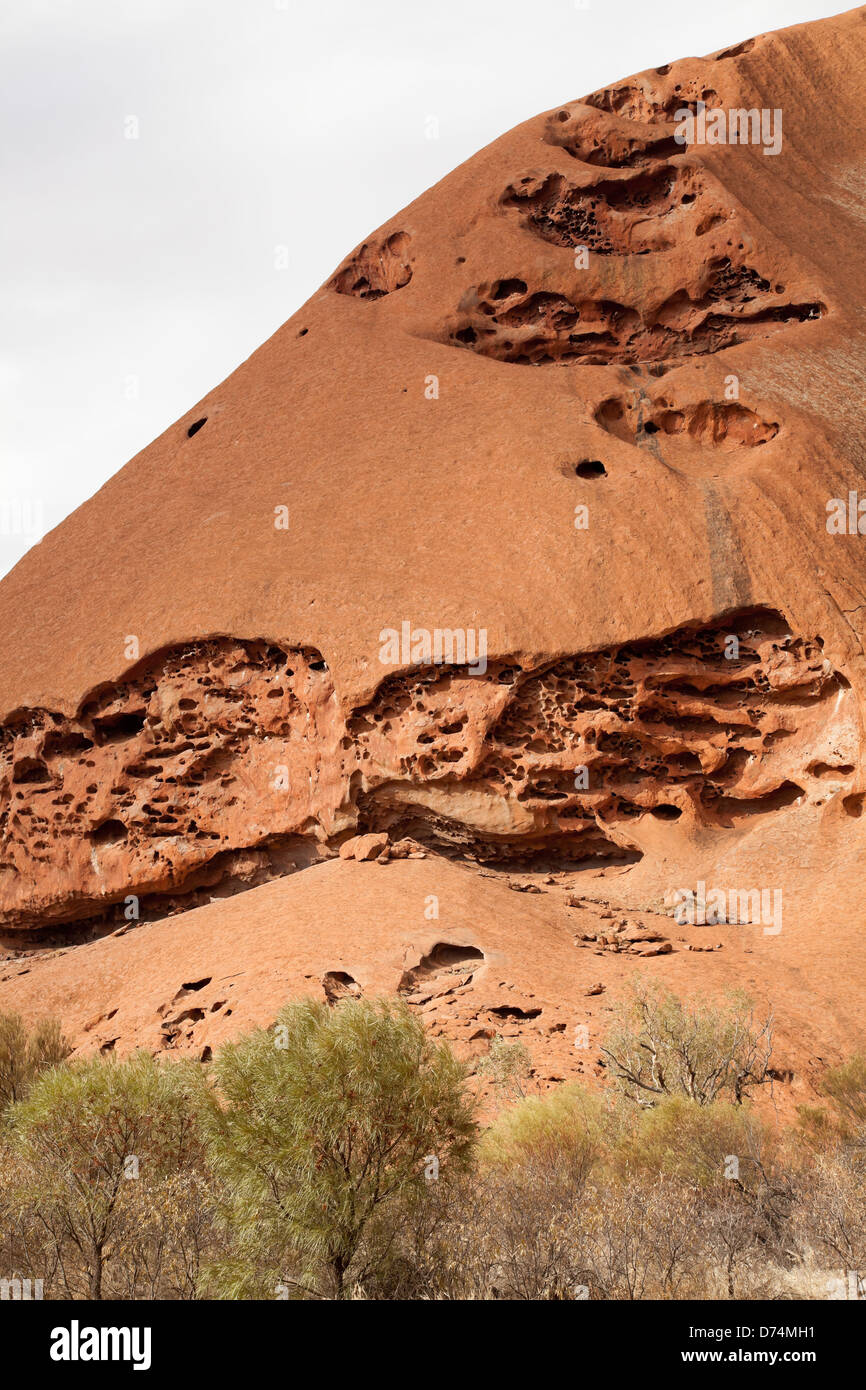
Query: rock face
[
  {"x": 531, "y": 541},
  {"x": 165, "y": 782}
]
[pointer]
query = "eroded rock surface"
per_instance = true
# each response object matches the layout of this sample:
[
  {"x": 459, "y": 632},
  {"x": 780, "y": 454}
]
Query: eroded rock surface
[
  {"x": 165, "y": 783},
  {"x": 675, "y": 690},
  {"x": 513, "y": 323},
  {"x": 376, "y": 269}
]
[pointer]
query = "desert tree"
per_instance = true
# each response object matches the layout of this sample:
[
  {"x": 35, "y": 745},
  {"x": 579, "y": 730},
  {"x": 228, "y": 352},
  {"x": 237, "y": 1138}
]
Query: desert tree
[
  {"x": 99, "y": 1149},
  {"x": 323, "y": 1130},
  {"x": 535, "y": 1162},
  {"x": 659, "y": 1046}
]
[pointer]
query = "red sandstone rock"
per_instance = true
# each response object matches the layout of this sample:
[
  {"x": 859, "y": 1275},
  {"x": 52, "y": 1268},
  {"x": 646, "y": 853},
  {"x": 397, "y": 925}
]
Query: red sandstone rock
[
  {"x": 363, "y": 847},
  {"x": 492, "y": 962},
  {"x": 638, "y": 934},
  {"x": 261, "y": 642}
]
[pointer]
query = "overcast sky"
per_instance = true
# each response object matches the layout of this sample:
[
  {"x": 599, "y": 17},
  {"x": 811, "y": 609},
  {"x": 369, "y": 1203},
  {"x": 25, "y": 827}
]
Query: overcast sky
[{"x": 156, "y": 153}]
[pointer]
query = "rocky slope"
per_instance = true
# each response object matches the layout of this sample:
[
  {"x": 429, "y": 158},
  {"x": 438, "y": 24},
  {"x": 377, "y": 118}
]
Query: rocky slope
[{"x": 513, "y": 548}]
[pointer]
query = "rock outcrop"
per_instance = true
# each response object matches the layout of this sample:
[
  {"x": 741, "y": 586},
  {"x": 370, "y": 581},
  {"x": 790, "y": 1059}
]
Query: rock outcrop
[
  {"x": 164, "y": 783},
  {"x": 387, "y": 593}
]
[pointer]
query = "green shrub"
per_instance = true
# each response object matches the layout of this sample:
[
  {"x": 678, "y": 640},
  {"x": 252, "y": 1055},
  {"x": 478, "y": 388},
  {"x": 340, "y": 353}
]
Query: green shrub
[
  {"x": 103, "y": 1153},
  {"x": 322, "y": 1132},
  {"x": 702, "y": 1144},
  {"x": 844, "y": 1121},
  {"x": 565, "y": 1127},
  {"x": 845, "y": 1088},
  {"x": 25, "y": 1055}
]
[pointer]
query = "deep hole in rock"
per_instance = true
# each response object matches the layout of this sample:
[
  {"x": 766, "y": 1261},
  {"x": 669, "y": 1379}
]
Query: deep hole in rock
[
  {"x": 66, "y": 744},
  {"x": 115, "y": 727},
  {"x": 194, "y": 428},
  {"x": 504, "y": 289},
  {"x": 187, "y": 1016},
  {"x": 338, "y": 984},
  {"x": 590, "y": 468},
  {"x": 110, "y": 832},
  {"x": 30, "y": 770},
  {"x": 377, "y": 268},
  {"x": 445, "y": 955},
  {"x": 830, "y": 770},
  {"x": 443, "y": 958}
]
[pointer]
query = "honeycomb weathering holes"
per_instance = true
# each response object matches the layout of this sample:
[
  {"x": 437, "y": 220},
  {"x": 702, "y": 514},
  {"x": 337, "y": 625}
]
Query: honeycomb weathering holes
[
  {"x": 649, "y": 202},
  {"x": 725, "y": 425},
  {"x": 633, "y": 214},
  {"x": 377, "y": 269},
  {"x": 228, "y": 761},
  {"x": 590, "y": 139},
  {"x": 731, "y": 304},
  {"x": 636, "y": 103}
]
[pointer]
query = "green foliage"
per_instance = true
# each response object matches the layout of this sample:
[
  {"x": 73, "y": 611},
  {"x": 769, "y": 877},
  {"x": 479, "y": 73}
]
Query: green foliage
[
  {"x": 695, "y": 1142},
  {"x": 25, "y": 1055},
  {"x": 334, "y": 1155},
  {"x": 660, "y": 1046},
  {"x": 845, "y": 1088},
  {"x": 97, "y": 1146},
  {"x": 567, "y": 1126},
  {"x": 321, "y": 1133},
  {"x": 844, "y": 1121}
]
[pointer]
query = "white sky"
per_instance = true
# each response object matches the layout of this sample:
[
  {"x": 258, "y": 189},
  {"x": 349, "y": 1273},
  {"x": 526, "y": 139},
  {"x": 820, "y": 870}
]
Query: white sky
[{"x": 137, "y": 273}]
